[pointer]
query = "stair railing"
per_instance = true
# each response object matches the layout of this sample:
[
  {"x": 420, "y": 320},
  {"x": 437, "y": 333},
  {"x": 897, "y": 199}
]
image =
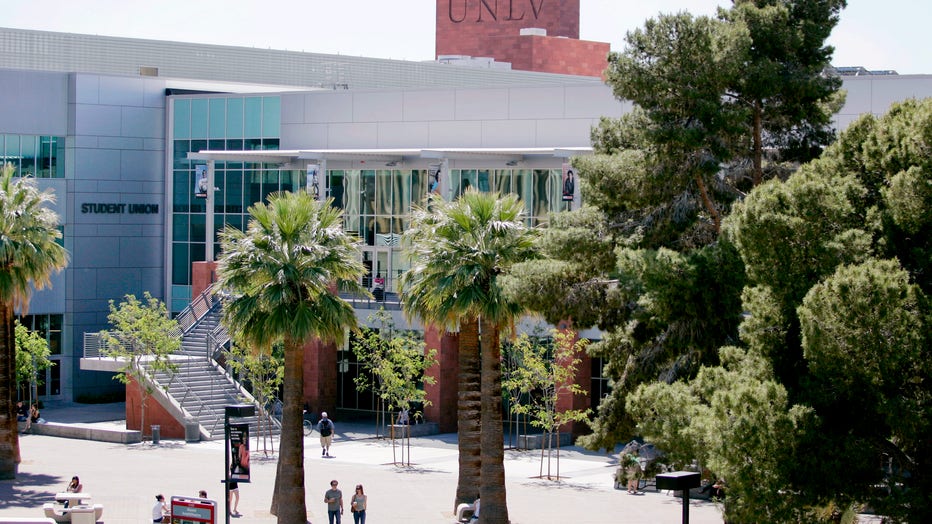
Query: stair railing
[{"x": 200, "y": 306}]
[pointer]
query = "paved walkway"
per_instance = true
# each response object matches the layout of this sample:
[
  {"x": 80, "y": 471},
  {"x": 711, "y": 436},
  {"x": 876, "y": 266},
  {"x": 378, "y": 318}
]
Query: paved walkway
[{"x": 125, "y": 478}]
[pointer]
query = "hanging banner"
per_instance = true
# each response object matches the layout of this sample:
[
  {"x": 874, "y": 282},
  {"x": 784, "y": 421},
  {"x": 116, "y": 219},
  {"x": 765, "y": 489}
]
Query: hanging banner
[
  {"x": 569, "y": 183},
  {"x": 200, "y": 181},
  {"x": 313, "y": 180},
  {"x": 239, "y": 450}
]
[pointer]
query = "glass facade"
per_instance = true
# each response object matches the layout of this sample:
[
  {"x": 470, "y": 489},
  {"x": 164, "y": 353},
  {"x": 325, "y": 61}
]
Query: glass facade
[
  {"x": 48, "y": 327},
  {"x": 219, "y": 123},
  {"x": 37, "y": 156}
]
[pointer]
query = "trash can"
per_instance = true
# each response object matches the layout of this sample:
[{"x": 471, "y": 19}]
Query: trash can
[
  {"x": 156, "y": 434},
  {"x": 192, "y": 430}
]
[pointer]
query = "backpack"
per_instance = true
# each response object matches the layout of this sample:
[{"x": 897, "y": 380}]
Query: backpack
[{"x": 326, "y": 428}]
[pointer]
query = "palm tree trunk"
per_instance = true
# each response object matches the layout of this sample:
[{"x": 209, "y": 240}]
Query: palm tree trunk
[
  {"x": 288, "y": 499},
  {"x": 9, "y": 438},
  {"x": 468, "y": 409},
  {"x": 492, "y": 479}
]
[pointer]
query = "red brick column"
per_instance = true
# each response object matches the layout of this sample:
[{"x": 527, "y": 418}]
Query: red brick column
[
  {"x": 442, "y": 393},
  {"x": 567, "y": 401},
  {"x": 203, "y": 274},
  {"x": 320, "y": 377},
  {"x": 155, "y": 414}
]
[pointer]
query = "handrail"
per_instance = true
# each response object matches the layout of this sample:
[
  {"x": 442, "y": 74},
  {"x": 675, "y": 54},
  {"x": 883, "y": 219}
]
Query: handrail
[
  {"x": 190, "y": 315},
  {"x": 95, "y": 347}
]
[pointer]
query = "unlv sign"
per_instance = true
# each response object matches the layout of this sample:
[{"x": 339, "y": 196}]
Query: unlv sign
[{"x": 494, "y": 10}]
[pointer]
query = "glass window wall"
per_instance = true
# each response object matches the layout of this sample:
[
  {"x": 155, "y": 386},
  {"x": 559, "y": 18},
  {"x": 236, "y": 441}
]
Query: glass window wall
[{"x": 37, "y": 156}]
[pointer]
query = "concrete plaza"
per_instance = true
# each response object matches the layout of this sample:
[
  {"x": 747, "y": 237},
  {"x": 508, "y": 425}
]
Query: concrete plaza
[{"x": 125, "y": 479}]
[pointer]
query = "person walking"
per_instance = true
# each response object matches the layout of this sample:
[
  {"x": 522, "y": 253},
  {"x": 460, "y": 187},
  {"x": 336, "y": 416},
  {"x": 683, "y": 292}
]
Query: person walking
[
  {"x": 358, "y": 505},
  {"x": 334, "y": 500},
  {"x": 234, "y": 498},
  {"x": 325, "y": 428}
]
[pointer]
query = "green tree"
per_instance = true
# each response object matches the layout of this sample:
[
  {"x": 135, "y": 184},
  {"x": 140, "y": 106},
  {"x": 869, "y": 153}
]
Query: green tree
[
  {"x": 736, "y": 420},
  {"x": 282, "y": 272},
  {"x": 838, "y": 265},
  {"x": 141, "y": 335},
  {"x": 395, "y": 362},
  {"x": 458, "y": 253},
  {"x": 783, "y": 82},
  {"x": 32, "y": 358},
  {"x": 263, "y": 372},
  {"x": 866, "y": 339},
  {"x": 29, "y": 255},
  {"x": 542, "y": 373}
]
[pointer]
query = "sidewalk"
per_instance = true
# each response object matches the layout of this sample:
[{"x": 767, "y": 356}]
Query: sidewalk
[{"x": 125, "y": 478}]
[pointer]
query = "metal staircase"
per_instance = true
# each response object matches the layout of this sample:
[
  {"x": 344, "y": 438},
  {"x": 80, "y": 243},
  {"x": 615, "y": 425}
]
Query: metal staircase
[{"x": 202, "y": 387}]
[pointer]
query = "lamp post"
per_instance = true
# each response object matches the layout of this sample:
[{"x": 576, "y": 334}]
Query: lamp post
[
  {"x": 680, "y": 480},
  {"x": 235, "y": 410}
]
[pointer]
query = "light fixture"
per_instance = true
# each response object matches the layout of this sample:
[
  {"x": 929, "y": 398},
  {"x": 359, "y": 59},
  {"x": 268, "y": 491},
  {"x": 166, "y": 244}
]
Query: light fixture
[
  {"x": 393, "y": 163},
  {"x": 511, "y": 163}
]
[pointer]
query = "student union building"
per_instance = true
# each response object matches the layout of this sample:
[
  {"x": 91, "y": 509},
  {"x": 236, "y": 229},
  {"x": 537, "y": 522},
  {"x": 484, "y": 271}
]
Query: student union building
[{"x": 123, "y": 131}]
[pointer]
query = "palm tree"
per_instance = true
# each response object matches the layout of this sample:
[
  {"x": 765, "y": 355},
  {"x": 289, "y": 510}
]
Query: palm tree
[
  {"x": 281, "y": 273},
  {"x": 457, "y": 252},
  {"x": 29, "y": 254}
]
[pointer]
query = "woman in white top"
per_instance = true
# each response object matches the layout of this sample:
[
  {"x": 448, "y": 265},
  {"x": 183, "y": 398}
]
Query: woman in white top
[{"x": 160, "y": 509}]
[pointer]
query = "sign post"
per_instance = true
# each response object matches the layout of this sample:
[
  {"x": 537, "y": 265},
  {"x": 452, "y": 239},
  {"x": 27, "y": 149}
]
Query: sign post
[{"x": 229, "y": 475}]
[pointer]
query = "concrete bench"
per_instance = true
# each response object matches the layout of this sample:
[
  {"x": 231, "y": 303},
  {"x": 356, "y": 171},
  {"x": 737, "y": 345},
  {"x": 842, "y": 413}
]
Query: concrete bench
[
  {"x": 86, "y": 432},
  {"x": 416, "y": 430}
]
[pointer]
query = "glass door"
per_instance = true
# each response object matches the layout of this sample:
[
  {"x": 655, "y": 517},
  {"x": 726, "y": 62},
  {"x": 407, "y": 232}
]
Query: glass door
[{"x": 378, "y": 276}]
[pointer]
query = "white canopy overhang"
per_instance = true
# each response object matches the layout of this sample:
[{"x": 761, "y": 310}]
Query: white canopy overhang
[{"x": 502, "y": 154}]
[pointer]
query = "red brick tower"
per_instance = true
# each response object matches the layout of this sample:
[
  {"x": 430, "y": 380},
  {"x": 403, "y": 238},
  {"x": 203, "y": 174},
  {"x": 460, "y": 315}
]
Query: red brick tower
[{"x": 493, "y": 28}]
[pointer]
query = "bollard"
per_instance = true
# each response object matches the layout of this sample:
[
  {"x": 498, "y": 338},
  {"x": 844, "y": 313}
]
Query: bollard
[{"x": 156, "y": 434}]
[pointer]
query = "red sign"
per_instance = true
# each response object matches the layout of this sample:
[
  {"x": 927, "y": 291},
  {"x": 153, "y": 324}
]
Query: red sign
[{"x": 186, "y": 510}]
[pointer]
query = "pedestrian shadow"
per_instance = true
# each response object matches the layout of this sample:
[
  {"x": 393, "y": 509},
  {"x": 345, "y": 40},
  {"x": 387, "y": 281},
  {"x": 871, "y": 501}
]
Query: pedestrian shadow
[{"x": 13, "y": 495}]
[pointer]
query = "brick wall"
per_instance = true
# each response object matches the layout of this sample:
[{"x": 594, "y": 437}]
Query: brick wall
[
  {"x": 549, "y": 54},
  {"x": 464, "y": 25}
]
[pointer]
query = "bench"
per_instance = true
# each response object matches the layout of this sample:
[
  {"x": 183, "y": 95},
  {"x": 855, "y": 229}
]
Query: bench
[{"x": 464, "y": 512}]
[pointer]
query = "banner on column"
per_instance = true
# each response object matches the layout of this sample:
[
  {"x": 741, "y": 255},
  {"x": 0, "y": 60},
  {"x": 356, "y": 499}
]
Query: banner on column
[
  {"x": 200, "y": 181},
  {"x": 313, "y": 180},
  {"x": 569, "y": 183},
  {"x": 239, "y": 449}
]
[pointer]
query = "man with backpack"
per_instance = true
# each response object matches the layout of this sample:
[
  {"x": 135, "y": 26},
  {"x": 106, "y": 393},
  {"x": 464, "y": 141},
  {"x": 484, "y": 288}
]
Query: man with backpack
[{"x": 325, "y": 428}]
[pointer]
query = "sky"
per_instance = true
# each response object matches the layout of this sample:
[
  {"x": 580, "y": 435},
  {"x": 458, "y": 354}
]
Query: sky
[{"x": 876, "y": 34}]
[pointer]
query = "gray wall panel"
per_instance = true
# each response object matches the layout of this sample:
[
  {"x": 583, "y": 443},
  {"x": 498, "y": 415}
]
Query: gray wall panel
[
  {"x": 141, "y": 252},
  {"x": 142, "y": 165},
  {"x": 352, "y": 135},
  {"x": 328, "y": 107},
  {"x": 33, "y": 104},
  {"x": 481, "y": 104},
  {"x": 87, "y": 284},
  {"x": 115, "y": 283},
  {"x": 304, "y": 136},
  {"x": 593, "y": 101},
  {"x": 293, "y": 108},
  {"x": 87, "y": 89},
  {"x": 98, "y": 120},
  {"x": 539, "y": 103},
  {"x": 378, "y": 107},
  {"x": 509, "y": 133},
  {"x": 118, "y": 142},
  {"x": 403, "y": 134},
  {"x": 566, "y": 133},
  {"x": 455, "y": 134},
  {"x": 97, "y": 163},
  {"x": 146, "y": 122},
  {"x": 422, "y": 105},
  {"x": 121, "y": 91}
]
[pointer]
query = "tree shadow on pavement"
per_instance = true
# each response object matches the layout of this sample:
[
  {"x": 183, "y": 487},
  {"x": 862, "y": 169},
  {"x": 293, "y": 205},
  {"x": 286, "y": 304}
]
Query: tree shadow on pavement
[{"x": 20, "y": 492}]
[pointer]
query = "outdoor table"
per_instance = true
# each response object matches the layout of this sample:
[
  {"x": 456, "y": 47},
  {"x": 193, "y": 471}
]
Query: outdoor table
[{"x": 73, "y": 499}]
